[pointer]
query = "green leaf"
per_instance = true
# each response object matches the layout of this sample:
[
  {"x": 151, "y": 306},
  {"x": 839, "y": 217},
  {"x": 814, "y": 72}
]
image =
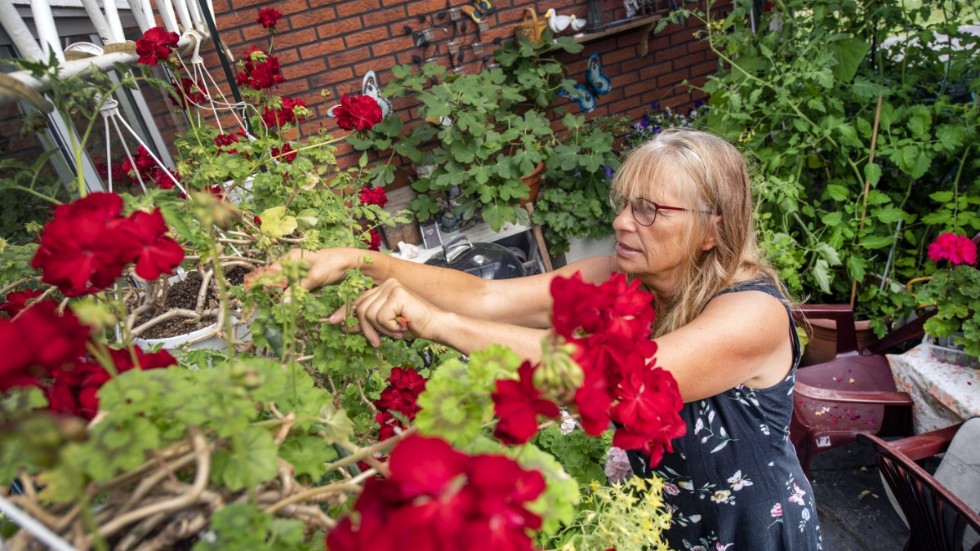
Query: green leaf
[
  {"x": 877, "y": 241},
  {"x": 307, "y": 454},
  {"x": 872, "y": 174},
  {"x": 821, "y": 274},
  {"x": 848, "y": 52},
  {"x": 276, "y": 223},
  {"x": 250, "y": 461}
]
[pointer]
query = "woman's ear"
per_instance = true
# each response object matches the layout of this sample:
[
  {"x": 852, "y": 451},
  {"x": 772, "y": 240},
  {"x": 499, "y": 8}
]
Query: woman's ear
[{"x": 711, "y": 240}]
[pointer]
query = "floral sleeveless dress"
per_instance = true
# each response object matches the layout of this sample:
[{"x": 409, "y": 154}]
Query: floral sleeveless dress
[{"x": 734, "y": 482}]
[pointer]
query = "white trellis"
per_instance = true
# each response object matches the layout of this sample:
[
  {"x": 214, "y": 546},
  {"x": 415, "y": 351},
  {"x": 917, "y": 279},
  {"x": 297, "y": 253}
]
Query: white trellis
[{"x": 182, "y": 16}]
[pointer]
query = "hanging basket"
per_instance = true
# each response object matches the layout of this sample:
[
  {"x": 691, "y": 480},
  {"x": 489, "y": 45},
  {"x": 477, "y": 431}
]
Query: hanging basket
[{"x": 530, "y": 27}]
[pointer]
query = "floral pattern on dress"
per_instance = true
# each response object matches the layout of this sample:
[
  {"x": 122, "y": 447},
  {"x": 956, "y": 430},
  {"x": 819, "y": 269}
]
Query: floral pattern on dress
[
  {"x": 705, "y": 424},
  {"x": 750, "y": 496},
  {"x": 708, "y": 543}
]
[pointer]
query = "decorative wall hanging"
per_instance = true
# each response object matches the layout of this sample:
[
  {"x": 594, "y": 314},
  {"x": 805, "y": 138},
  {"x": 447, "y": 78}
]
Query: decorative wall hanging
[{"x": 597, "y": 84}]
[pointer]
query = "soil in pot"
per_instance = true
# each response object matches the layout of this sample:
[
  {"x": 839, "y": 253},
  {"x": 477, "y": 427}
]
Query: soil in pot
[{"x": 183, "y": 294}]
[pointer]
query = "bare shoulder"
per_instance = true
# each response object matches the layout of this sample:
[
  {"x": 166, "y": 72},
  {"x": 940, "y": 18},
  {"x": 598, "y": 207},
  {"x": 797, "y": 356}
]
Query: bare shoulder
[
  {"x": 746, "y": 319},
  {"x": 739, "y": 338}
]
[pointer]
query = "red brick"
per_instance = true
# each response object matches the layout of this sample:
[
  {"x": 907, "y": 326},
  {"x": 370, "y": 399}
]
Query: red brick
[
  {"x": 349, "y": 8},
  {"x": 349, "y": 56},
  {"x": 339, "y": 28},
  {"x": 671, "y": 53},
  {"x": 330, "y": 78},
  {"x": 391, "y": 46},
  {"x": 671, "y": 79},
  {"x": 305, "y": 68},
  {"x": 688, "y": 60},
  {"x": 311, "y": 18},
  {"x": 321, "y": 48},
  {"x": 706, "y": 68},
  {"x": 420, "y": 7},
  {"x": 384, "y": 16},
  {"x": 295, "y": 38},
  {"x": 367, "y": 36}
]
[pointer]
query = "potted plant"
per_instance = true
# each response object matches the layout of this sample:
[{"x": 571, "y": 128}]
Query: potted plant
[
  {"x": 574, "y": 205},
  {"x": 283, "y": 442},
  {"x": 487, "y": 135},
  {"x": 861, "y": 136},
  {"x": 954, "y": 291}
]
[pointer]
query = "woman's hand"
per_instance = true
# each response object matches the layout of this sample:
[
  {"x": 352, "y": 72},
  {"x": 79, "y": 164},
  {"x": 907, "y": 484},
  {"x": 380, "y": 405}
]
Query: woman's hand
[
  {"x": 391, "y": 309},
  {"x": 328, "y": 266}
]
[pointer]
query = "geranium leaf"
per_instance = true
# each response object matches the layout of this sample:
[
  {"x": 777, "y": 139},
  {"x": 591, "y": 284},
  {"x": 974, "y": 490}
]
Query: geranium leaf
[{"x": 253, "y": 462}]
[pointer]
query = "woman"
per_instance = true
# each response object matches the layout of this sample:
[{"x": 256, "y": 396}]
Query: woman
[{"x": 723, "y": 330}]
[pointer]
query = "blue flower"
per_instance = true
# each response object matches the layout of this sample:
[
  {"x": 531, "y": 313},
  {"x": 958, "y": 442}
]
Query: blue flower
[
  {"x": 698, "y": 104},
  {"x": 645, "y": 121},
  {"x": 609, "y": 172},
  {"x": 657, "y": 129},
  {"x": 655, "y": 106}
]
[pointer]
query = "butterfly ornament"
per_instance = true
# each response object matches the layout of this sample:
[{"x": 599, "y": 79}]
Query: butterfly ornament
[
  {"x": 369, "y": 87},
  {"x": 597, "y": 84}
]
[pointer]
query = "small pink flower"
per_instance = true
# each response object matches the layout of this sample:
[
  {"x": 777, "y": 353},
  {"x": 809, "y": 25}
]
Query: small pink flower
[
  {"x": 776, "y": 511},
  {"x": 957, "y": 249}
]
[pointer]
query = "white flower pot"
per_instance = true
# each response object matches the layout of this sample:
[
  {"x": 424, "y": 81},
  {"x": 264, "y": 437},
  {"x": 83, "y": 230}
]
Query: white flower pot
[
  {"x": 580, "y": 248},
  {"x": 206, "y": 338}
]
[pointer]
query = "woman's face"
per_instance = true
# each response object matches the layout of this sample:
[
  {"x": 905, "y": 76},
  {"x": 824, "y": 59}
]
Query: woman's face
[{"x": 656, "y": 254}]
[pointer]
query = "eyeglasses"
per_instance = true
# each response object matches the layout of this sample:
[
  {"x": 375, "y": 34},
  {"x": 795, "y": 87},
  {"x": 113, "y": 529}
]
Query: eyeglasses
[{"x": 644, "y": 211}]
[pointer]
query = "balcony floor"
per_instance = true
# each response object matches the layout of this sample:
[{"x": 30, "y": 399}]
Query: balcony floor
[{"x": 854, "y": 511}]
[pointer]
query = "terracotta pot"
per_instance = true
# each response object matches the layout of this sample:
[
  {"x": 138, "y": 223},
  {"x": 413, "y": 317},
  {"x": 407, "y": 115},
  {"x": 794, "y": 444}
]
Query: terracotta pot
[
  {"x": 823, "y": 340},
  {"x": 533, "y": 182}
]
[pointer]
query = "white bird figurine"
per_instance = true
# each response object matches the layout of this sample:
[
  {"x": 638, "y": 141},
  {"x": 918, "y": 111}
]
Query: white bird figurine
[
  {"x": 578, "y": 24},
  {"x": 557, "y": 23}
]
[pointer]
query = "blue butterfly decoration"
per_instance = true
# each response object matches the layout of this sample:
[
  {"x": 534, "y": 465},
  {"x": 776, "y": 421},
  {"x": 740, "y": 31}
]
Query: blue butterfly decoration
[{"x": 598, "y": 84}]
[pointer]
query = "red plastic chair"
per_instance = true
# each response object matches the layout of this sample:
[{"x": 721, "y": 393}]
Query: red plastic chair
[
  {"x": 852, "y": 394},
  {"x": 937, "y": 518}
]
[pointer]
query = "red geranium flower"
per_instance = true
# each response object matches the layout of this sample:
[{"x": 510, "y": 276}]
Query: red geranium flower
[
  {"x": 141, "y": 166},
  {"x": 286, "y": 115},
  {"x": 357, "y": 112},
  {"x": 286, "y": 154},
  {"x": 17, "y": 301},
  {"x": 38, "y": 342},
  {"x": 438, "y": 498},
  {"x": 517, "y": 404},
  {"x": 155, "y": 253},
  {"x": 166, "y": 178},
  {"x": 401, "y": 395},
  {"x": 374, "y": 196},
  {"x": 261, "y": 70},
  {"x": 187, "y": 90},
  {"x": 75, "y": 391},
  {"x": 156, "y": 43},
  {"x": 647, "y": 406},
  {"x": 268, "y": 17},
  {"x": 957, "y": 249},
  {"x": 80, "y": 247},
  {"x": 373, "y": 240}
]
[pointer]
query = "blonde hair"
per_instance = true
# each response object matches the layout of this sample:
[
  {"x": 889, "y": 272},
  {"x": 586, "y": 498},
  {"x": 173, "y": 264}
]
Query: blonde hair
[{"x": 717, "y": 184}]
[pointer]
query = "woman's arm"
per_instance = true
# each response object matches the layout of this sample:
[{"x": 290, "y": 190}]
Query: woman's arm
[
  {"x": 740, "y": 338},
  {"x": 521, "y": 301}
]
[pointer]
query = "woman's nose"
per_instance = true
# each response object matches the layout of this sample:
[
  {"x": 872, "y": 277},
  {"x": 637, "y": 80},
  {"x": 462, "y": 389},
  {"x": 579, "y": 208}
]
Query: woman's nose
[{"x": 624, "y": 220}]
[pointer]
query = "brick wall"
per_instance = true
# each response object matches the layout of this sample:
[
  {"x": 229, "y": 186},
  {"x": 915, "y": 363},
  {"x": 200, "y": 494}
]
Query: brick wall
[{"x": 331, "y": 45}]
